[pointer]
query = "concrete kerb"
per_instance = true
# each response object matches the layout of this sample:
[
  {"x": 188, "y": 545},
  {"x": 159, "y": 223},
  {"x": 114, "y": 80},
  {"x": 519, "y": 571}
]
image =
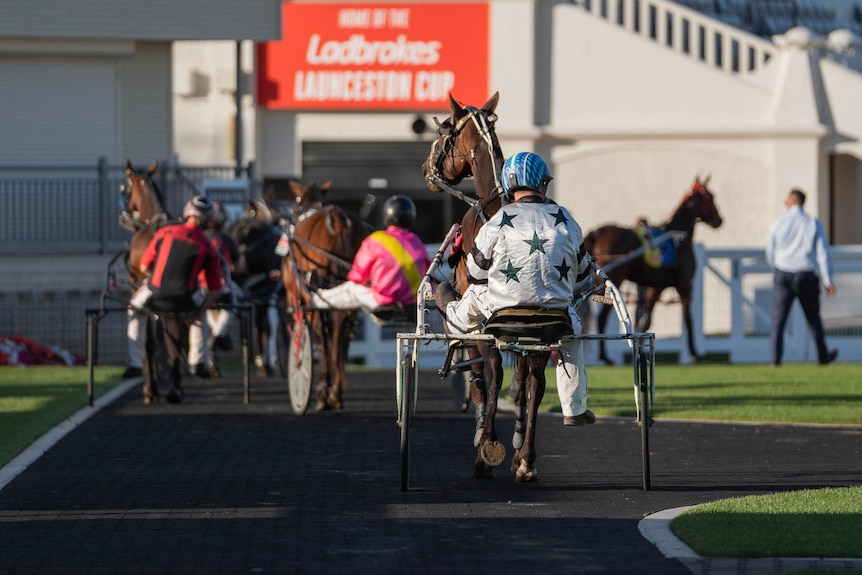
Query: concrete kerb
[
  {"x": 12, "y": 469},
  {"x": 656, "y": 529}
]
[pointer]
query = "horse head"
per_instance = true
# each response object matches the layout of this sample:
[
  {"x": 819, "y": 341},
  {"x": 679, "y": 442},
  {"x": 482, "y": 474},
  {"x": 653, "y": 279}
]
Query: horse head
[
  {"x": 308, "y": 198},
  {"x": 142, "y": 198},
  {"x": 697, "y": 205},
  {"x": 268, "y": 209},
  {"x": 466, "y": 146},
  {"x": 702, "y": 203}
]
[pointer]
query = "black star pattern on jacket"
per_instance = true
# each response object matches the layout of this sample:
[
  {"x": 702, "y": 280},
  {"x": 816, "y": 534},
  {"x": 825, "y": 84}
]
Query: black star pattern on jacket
[
  {"x": 560, "y": 218},
  {"x": 511, "y": 272},
  {"x": 536, "y": 244},
  {"x": 507, "y": 220},
  {"x": 563, "y": 268}
]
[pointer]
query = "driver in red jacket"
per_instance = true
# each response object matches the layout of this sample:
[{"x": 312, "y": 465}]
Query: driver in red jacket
[{"x": 185, "y": 280}]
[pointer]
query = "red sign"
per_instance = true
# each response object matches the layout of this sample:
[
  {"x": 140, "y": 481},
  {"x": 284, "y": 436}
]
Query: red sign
[{"x": 375, "y": 57}]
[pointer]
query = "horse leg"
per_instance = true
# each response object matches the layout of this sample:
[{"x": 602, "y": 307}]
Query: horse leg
[
  {"x": 342, "y": 332},
  {"x": 534, "y": 391},
  {"x": 325, "y": 381},
  {"x": 686, "y": 314},
  {"x": 649, "y": 302},
  {"x": 600, "y": 329},
  {"x": 490, "y": 452},
  {"x": 517, "y": 393},
  {"x": 475, "y": 391}
]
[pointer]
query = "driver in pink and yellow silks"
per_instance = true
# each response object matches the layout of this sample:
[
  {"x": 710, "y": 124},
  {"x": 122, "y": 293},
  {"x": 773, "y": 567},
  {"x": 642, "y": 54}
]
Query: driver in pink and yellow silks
[{"x": 388, "y": 267}]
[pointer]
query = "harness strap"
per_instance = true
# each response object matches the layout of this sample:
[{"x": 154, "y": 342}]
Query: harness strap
[{"x": 402, "y": 256}]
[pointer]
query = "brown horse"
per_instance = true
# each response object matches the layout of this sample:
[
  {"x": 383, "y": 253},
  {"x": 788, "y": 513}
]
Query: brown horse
[
  {"x": 323, "y": 243},
  {"x": 613, "y": 247},
  {"x": 144, "y": 213},
  {"x": 467, "y": 146}
]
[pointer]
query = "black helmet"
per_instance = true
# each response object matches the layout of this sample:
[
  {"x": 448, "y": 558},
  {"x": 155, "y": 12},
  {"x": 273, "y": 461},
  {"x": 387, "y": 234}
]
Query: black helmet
[{"x": 399, "y": 211}]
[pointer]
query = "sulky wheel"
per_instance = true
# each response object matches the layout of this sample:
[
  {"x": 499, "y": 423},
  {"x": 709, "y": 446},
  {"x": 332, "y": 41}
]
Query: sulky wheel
[{"x": 300, "y": 366}]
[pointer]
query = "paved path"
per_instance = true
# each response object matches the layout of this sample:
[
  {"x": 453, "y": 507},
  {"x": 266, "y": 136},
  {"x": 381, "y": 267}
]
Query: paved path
[{"x": 217, "y": 486}]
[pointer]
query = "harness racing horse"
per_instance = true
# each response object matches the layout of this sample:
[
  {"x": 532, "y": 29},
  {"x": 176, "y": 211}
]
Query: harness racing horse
[
  {"x": 322, "y": 245},
  {"x": 256, "y": 235},
  {"x": 616, "y": 250},
  {"x": 144, "y": 213},
  {"x": 467, "y": 146}
]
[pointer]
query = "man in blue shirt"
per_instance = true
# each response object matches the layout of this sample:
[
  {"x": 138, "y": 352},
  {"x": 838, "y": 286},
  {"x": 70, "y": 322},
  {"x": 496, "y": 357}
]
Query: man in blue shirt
[{"x": 798, "y": 253}]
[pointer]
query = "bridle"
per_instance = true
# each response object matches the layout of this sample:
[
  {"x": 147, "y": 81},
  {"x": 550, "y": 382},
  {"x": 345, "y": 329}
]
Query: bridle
[
  {"x": 131, "y": 219},
  {"x": 445, "y": 148}
]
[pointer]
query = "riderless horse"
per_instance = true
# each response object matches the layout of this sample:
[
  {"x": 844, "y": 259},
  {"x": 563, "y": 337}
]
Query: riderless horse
[
  {"x": 467, "y": 146},
  {"x": 618, "y": 251},
  {"x": 322, "y": 244}
]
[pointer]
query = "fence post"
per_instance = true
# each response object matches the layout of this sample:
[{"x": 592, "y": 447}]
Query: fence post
[
  {"x": 249, "y": 173},
  {"x": 104, "y": 202},
  {"x": 737, "y": 316},
  {"x": 697, "y": 303}
]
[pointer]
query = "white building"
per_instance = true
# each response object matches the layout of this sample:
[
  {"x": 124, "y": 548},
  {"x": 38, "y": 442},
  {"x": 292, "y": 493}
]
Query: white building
[{"x": 628, "y": 106}]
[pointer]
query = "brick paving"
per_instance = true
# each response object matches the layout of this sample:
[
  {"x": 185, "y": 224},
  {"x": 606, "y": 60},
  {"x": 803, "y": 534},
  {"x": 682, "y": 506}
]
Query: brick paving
[{"x": 214, "y": 485}]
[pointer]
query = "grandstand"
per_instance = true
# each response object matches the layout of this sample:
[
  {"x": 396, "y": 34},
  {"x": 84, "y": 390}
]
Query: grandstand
[{"x": 767, "y": 18}]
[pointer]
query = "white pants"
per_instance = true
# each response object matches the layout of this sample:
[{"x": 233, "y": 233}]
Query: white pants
[
  {"x": 348, "y": 295},
  {"x": 219, "y": 321},
  {"x": 200, "y": 353},
  {"x": 468, "y": 313},
  {"x": 135, "y": 337}
]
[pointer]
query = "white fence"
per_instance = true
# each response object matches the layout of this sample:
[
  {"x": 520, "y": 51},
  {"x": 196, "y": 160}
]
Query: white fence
[{"x": 732, "y": 310}]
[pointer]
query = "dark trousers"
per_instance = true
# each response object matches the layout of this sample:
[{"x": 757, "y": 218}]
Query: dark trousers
[
  {"x": 174, "y": 331},
  {"x": 804, "y": 286}
]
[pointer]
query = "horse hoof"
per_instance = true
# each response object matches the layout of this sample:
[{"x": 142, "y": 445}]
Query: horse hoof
[
  {"x": 526, "y": 474},
  {"x": 493, "y": 453},
  {"x": 321, "y": 406},
  {"x": 532, "y": 475}
]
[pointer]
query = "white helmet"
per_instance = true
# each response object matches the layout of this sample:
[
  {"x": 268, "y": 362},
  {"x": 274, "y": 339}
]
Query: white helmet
[{"x": 200, "y": 207}]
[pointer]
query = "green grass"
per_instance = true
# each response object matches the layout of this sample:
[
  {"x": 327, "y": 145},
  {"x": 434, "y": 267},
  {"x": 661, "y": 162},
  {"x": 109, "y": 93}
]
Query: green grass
[
  {"x": 35, "y": 399},
  {"x": 793, "y": 393},
  {"x": 807, "y": 523}
]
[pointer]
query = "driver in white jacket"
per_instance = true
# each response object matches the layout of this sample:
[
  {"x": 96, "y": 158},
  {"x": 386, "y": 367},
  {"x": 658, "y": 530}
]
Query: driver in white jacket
[{"x": 530, "y": 253}]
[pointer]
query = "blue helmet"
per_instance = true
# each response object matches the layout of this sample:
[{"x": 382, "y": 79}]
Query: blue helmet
[{"x": 526, "y": 170}]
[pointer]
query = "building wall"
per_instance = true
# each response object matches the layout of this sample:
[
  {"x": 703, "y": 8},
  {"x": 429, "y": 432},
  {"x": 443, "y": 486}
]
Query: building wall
[
  {"x": 633, "y": 116},
  {"x": 144, "y": 99},
  {"x": 152, "y": 20}
]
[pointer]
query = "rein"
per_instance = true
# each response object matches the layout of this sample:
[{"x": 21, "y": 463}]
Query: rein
[{"x": 341, "y": 262}]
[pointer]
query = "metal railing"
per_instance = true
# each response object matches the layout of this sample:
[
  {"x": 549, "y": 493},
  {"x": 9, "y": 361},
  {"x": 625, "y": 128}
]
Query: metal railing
[
  {"x": 56, "y": 209},
  {"x": 732, "y": 310}
]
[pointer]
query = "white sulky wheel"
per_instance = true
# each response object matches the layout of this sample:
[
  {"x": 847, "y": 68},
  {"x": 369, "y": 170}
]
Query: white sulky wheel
[{"x": 300, "y": 366}]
